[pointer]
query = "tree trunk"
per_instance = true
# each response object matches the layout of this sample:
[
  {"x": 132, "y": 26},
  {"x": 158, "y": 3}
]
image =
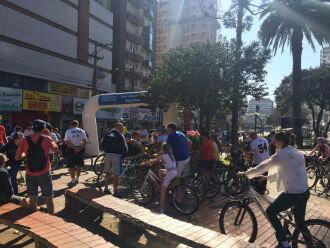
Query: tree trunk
[
  {"x": 237, "y": 78},
  {"x": 318, "y": 123},
  {"x": 327, "y": 130},
  {"x": 296, "y": 43}
]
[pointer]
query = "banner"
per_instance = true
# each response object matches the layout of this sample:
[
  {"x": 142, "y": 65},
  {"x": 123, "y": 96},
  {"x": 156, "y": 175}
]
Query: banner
[
  {"x": 10, "y": 99},
  {"x": 123, "y": 98},
  {"x": 40, "y": 101}
]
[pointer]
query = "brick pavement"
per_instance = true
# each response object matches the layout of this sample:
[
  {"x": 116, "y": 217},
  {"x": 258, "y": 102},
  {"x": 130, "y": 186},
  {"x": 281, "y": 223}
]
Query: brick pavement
[{"x": 206, "y": 216}]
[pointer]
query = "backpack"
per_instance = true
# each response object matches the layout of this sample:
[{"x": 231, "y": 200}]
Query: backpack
[{"x": 36, "y": 159}]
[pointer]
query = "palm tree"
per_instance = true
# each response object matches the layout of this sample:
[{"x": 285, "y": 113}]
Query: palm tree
[{"x": 286, "y": 23}]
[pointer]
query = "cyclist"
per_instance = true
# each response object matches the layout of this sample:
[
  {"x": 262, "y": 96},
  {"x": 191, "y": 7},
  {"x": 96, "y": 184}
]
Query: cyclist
[
  {"x": 134, "y": 147},
  {"x": 76, "y": 140},
  {"x": 291, "y": 177},
  {"x": 322, "y": 148},
  {"x": 207, "y": 153},
  {"x": 170, "y": 171},
  {"x": 180, "y": 146},
  {"x": 258, "y": 150}
]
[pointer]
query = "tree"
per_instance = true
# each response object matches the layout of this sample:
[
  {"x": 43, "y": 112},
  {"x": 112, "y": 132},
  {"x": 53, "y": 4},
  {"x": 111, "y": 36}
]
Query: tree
[
  {"x": 287, "y": 22},
  {"x": 315, "y": 95},
  {"x": 201, "y": 77}
]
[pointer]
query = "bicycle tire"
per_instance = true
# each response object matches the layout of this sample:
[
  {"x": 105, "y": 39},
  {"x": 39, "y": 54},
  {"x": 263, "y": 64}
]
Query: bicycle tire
[
  {"x": 232, "y": 184},
  {"x": 88, "y": 162},
  {"x": 197, "y": 185},
  {"x": 211, "y": 184},
  {"x": 309, "y": 223},
  {"x": 140, "y": 195},
  {"x": 177, "y": 192},
  {"x": 98, "y": 165},
  {"x": 223, "y": 225},
  {"x": 312, "y": 181},
  {"x": 55, "y": 162}
]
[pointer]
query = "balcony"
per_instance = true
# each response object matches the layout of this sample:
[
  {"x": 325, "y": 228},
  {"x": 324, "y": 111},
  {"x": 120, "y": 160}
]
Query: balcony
[
  {"x": 133, "y": 74},
  {"x": 138, "y": 3},
  {"x": 147, "y": 63},
  {"x": 135, "y": 18},
  {"x": 134, "y": 56},
  {"x": 134, "y": 37}
]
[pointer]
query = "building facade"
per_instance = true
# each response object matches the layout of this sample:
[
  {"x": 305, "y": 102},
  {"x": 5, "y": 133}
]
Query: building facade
[
  {"x": 133, "y": 45},
  {"x": 264, "y": 107},
  {"x": 45, "y": 62},
  {"x": 182, "y": 23},
  {"x": 325, "y": 56}
]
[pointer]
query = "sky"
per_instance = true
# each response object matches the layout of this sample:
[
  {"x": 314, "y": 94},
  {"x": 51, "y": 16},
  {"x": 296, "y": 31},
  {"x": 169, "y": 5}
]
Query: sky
[{"x": 281, "y": 64}]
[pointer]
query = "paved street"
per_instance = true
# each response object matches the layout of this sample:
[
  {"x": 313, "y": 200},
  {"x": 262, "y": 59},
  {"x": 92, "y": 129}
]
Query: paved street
[{"x": 106, "y": 226}]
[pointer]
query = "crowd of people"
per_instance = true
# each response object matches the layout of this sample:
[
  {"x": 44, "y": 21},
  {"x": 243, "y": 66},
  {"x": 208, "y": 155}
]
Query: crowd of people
[{"x": 39, "y": 141}]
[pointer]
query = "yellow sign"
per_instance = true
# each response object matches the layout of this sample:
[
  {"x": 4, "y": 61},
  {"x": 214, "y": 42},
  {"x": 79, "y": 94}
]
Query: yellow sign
[
  {"x": 62, "y": 89},
  {"x": 40, "y": 101},
  {"x": 68, "y": 90}
]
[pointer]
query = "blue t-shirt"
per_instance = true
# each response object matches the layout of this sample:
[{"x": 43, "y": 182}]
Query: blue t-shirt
[{"x": 179, "y": 144}]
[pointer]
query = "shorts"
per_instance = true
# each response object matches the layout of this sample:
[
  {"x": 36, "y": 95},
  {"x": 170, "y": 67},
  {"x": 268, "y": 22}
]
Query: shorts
[
  {"x": 170, "y": 175},
  {"x": 43, "y": 181},
  {"x": 112, "y": 164},
  {"x": 74, "y": 160},
  {"x": 183, "y": 169}
]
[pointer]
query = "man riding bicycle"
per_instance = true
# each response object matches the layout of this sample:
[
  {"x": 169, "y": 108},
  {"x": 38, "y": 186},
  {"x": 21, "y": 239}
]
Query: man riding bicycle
[{"x": 291, "y": 177}]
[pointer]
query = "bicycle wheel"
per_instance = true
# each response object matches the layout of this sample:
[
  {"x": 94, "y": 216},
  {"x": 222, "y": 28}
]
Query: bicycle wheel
[
  {"x": 238, "y": 220},
  {"x": 232, "y": 184},
  {"x": 88, "y": 162},
  {"x": 311, "y": 176},
  {"x": 320, "y": 235},
  {"x": 98, "y": 165},
  {"x": 55, "y": 162},
  {"x": 142, "y": 190},
  {"x": 197, "y": 185},
  {"x": 211, "y": 184},
  {"x": 184, "y": 199}
]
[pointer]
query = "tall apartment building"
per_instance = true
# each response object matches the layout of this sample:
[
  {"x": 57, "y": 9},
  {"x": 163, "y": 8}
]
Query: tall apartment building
[
  {"x": 45, "y": 67},
  {"x": 181, "y": 23},
  {"x": 325, "y": 55},
  {"x": 133, "y": 44}
]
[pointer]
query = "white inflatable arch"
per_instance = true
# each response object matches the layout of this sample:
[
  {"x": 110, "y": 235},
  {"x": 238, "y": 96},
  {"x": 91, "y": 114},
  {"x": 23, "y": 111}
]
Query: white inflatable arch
[{"x": 128, "y": 99}]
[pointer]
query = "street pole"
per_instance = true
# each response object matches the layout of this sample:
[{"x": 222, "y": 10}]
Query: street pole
[
  {"x": 255, "y": 122},
  {"x": 94, "y": 82}
]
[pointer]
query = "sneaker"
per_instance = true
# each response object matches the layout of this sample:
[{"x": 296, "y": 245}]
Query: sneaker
[
  {"x": 107, "y": 192},
  {"x": 72, "y": 182}
]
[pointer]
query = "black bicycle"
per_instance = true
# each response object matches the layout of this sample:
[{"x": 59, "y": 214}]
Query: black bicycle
[{"x": 237, "y": 218}]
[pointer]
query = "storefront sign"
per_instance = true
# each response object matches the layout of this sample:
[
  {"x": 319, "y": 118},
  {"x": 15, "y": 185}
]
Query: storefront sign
[
  {"x": 41, "y": 101},
  {"x": 124, "y": 98},
  {"x": 68, "y": 90},
  {"x": 133, "y": 114},
  {"x": 10, "y": 99},
  {"x": 78, "y": 105}
]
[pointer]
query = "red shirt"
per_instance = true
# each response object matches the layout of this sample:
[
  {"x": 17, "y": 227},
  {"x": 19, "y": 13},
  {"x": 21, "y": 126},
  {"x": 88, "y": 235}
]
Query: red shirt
[
  {"x": 2, "y": 134},
  {"x": 47, "y": 144},
  {"x": 207, "y": 149}
]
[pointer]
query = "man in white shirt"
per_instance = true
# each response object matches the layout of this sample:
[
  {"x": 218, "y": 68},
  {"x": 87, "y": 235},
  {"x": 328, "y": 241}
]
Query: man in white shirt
[
  {"x": 76, "y": 139},
  {"x": 258, "y": 150}
]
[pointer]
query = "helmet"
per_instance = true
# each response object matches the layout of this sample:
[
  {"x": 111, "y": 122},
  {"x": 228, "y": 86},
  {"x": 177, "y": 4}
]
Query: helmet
[{"x": 321, "y": 139}]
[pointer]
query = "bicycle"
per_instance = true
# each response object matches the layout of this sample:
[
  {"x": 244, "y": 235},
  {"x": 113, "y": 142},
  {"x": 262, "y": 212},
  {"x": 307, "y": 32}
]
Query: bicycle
[
  {"x": 131, "y": 170},
  {"x": 317, "y": 172},
  {"x": 238, "y": 218},
  {"x": 59, "y": 160},
  {"x": 183, "y": 197}
]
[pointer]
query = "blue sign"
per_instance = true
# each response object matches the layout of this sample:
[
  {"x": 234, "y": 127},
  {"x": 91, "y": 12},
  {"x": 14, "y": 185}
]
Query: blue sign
[{"x": 122, "y": 98}]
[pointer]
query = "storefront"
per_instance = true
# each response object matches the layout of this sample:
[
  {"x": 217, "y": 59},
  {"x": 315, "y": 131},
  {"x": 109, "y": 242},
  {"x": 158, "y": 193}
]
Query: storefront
[
  {"x": 10, "y": 104},
  {"x": 38, "y": 105}
]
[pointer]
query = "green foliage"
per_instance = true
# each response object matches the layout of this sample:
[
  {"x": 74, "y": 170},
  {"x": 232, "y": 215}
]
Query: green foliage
[
  {"x": 201, "y": 77},
  {"x": 281, "y": 17}
]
